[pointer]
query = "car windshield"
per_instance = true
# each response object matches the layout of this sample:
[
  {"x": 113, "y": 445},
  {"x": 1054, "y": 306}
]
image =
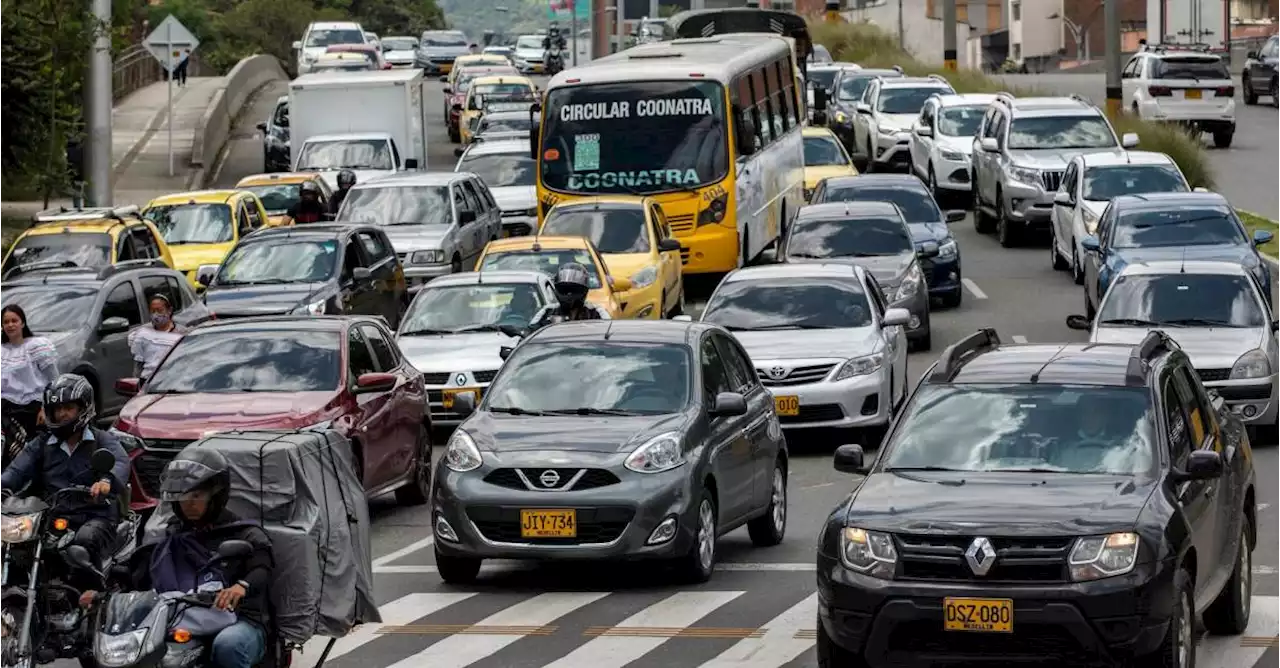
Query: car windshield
[
  {"x": 456, "y": 308},
  {"x": 960, "y": 121},
  {"x": 514, "y": 123},
  {"x": 444, "y": 39},
  {"x": 1040, "y": 427},
  {"x": 916, "y": 204},
  {"x": 346, "y": 154},
  {"x": 1177, "y": 226},
  {"x": 547, "y": 261},
  {"x": 1194, "y": 300},
  {"x": 634, "y": 138},
  {"x": 319, "y": 38},
  {"x": 499, "y": 170},
  {"x": 853, "y": 86},
  {"x": 1101, "y": 184},
  {"x": 854, "y": 237},
  {"x": 398, "y": 205},
  {"x": 80, "y": 249},
  {"x": 238, "y": 360},
  {"x": 51, "y": 307},
  {"x": 1060, "y": 132},
  {"x": 193, "y": 223},
  {"x": 279, "y": 260},
  {"x": 1196, "y": 68},
  {"x": 277, "y": 198},
  {"x": 789, "y": 303},
  {"x": 823, "y": 78},
  {"x": 483, "y": 94},
  {"x": 638, "y": 378},
  {"x": 823, "y": 151},
  {"x": 399, "y": 44},
  {"x": 906, "y": 100},
  {"x": 613, "y": 229},
  {"x": 529, "y": 42}
]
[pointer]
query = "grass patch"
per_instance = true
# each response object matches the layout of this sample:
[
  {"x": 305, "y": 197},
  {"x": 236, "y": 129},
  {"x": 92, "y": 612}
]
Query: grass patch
[
  {"x": 1254, "y": 222},
  {"x": 10, "y": 228}
]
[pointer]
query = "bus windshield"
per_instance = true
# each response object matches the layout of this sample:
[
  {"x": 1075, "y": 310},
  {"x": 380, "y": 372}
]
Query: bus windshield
[{"x": 640, "y": 137}]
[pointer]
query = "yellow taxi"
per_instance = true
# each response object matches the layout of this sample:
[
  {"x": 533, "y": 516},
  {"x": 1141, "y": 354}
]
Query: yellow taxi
[
  {"x": 485, "y": 91},
  {"x": 94, "y": 237},
  {"x": 633, "y": 237},
  {"x": 472, "y": 60},
  {"x": 455, "y": 94},
  {"x": 546, "y": 254},
  {"x": 824, "y": 157},
  {"x": 201, "y": 227},
  {"x": 278, "y": 192}
]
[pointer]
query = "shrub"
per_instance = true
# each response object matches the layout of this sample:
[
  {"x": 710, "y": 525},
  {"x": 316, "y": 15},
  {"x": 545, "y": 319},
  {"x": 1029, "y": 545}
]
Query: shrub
[{"x": 872, "y": 47}]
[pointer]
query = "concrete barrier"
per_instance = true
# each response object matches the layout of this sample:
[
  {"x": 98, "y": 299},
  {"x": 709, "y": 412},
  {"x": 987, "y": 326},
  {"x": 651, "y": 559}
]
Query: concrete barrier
[{"x": 214, "y": 127}]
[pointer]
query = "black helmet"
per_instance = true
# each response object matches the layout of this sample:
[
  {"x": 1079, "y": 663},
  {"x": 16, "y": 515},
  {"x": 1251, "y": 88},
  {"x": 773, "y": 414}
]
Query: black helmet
[
  {"x": 572, "y": 283},
  {"x": 346, "y": 179},
  {"x": 309, "y": 187},
  {"x": 68, "y": 388},
  {"x": 196, "y": 469}
]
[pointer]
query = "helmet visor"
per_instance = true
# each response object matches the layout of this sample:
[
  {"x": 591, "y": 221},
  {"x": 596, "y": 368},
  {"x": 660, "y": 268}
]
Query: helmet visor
[{"x": 185, "y": 479}]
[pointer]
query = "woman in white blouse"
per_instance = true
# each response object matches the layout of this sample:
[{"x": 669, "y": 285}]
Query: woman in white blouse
[
  {"x": 150, "y": 343},
  {"x": 29, "y": 363}
]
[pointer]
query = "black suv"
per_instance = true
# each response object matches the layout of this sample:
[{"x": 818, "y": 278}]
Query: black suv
[{"x": 1073, "y": 502}]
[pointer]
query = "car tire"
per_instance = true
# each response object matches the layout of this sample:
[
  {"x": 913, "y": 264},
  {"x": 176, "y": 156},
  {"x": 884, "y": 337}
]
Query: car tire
[
  {"x": 455, "y": 135},
  {"x": 457, "y": 570},
  {"x": 418, "y": 491},
  {"x": 699, "y": 563},
  {"x": 1178, "y": 647},
  {"x": 981, "y": 221},
  {"x": 953, "y": 299},
  {"x": 1274, "y": 90},
  {"x": 1228, "y": 615},
  {"x": 678, "y": 307},
  {"x": 455, "y": 266},
  {"x": 1005, "y": 232},
  {"x": 921, "y": 344},
  {"x": 932, "y": 183},
  {"x": 1089, "y": 311},
  {"x": 1077, "y": 271},
  {"x": 769, "y": 529},
  {"x": 1250, "y": 95},
  {"x": 1222, "y": 139},
  {"x": 831, "y": 655},
  {"x": 1055, "y": 258}
]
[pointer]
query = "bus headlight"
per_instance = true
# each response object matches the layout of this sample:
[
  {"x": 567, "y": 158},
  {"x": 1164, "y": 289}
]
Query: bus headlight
[{"x": 715, "y": 211}]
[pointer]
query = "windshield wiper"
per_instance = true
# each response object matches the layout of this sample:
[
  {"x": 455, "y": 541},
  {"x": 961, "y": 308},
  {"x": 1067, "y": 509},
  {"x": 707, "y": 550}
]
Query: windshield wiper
[
  {"x": 418, "y": 332},
  {"x": 512, "y": 410},
  {"x": 191, "y": 241},
  {"x": 1131, "y": 322},
  {"x": 585, "y": 410},
  {"x": 892, "y": 469},
  {"x": 403, "y": 222},
  {"x": 484, "y": 328},
  {"x": 1199, "y": 322},
  {"x": 1031, "y": 469}
]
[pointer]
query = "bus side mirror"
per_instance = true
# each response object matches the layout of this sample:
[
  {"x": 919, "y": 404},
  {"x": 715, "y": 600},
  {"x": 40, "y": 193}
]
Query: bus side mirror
[{"x": 535, "y": 111}]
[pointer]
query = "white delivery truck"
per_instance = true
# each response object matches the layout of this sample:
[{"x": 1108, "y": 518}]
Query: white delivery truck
[
  {"x": 1190, "y": 23},
  {"x": 373, "y": 123}
]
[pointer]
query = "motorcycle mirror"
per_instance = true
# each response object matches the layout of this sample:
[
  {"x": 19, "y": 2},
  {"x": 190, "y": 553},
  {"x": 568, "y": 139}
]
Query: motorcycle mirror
[
  {"x": 102, "y": 461},
  {"x": 234, "y": 549},
  {"x": 78, "y": 556}
]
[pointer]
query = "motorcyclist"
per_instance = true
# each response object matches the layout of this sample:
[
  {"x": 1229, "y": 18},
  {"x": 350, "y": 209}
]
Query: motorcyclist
[
  {"x": 572, "y": 283},
  {"x": 198, "y": 484},
  {"x": 346, "y": 181},
  {"x": 59, "y": 459},
  {"x": 308, "y": 208},
  {"x": 553, "y": 40}
]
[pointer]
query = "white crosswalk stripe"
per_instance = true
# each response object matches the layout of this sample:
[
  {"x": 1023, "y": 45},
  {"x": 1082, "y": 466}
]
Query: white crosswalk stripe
[
  {"x": 400, "y": 611},
  {"x": 779, "y": 643}
]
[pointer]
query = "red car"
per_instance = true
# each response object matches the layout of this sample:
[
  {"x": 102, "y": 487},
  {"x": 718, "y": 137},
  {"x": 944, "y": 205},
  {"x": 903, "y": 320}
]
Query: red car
[
  {"x": 285, "y": 372},
  {"x": 456, "y": 96}
]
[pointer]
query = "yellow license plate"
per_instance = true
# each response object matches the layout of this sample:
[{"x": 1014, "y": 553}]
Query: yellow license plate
[
  {"x": 991, "y": 615},
  {"x": 1193, "y": 94},
  {"x": 447, "y": 396},
  {"x": 548, "y": 524},
  {"x": 787, "y": 405}
]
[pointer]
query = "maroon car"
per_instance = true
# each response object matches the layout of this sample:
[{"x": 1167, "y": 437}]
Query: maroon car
[{"x": 286, "y": 372}]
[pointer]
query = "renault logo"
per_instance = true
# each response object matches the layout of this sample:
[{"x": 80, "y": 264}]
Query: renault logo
[
  {"x": 980, "y": 555},
  {"x": 549, "y": 478},
  {"x": 461, "y": 379},
  {"x": 777, "y": 373}
]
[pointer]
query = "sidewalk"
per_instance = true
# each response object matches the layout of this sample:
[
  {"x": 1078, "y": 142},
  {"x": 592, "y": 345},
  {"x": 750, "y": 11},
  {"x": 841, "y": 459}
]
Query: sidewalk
[{"x": 139, "y": 144}]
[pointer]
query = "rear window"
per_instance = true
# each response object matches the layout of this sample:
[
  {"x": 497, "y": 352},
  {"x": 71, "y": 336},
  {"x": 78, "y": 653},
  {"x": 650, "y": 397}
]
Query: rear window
[
  {"x": 1190, "y": 68},
  {"x": 250, "y": 361},
  {"x": 79, "y": 249},
  {"x": 1178, "y": 226}
]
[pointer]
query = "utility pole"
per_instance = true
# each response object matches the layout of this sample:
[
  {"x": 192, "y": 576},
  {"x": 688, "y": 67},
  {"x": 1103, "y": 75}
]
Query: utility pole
[
  {"x": 948, "y": 34},
  {"x": 619, "y": 25},
  {"x": 1115, "y": 102},
  {"x": 98, "y": 109},
  {"x": 902, "y": 28},
  {"x": 573, "y": 30}
]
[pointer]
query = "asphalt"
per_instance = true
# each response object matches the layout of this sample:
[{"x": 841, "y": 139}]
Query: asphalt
[{"x": 758, "y": 611}]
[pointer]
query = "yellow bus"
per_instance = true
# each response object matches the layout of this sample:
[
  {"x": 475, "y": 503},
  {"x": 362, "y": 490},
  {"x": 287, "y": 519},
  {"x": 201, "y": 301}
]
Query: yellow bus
[{"x": 710, "y": 128}]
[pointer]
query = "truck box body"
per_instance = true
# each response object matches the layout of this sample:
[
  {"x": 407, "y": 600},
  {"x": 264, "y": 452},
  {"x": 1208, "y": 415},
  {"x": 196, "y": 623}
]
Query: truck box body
[{"x": 1189, "y": 22}]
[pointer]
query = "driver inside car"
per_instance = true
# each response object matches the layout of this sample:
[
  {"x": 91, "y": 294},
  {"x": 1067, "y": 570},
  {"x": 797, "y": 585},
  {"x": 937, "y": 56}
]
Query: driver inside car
[{"x": 60, "y": 459}]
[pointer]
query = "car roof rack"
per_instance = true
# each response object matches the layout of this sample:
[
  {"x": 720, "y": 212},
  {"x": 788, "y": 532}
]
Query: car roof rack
[
  {"x": 42, "y": 265},
  {"x": 1006, "y": 97},
  {"x": 129, "y": 265},
  {"x": 938, "y": 77},
  {"x": 1155, "y": 343},
  {"x": 961, "y": 351},
  {"x": 63, "y": 214},
  {"x": 1196, "y": 47},
  {"x": 1082, "y": 99}
]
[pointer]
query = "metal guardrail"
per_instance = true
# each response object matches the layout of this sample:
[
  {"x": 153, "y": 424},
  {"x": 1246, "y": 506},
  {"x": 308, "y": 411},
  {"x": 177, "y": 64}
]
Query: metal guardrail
[{"x": 135, "y": 68}]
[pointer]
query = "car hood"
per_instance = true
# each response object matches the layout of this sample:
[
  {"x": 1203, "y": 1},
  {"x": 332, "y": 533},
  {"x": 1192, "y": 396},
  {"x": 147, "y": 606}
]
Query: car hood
[
  {"x": 935, "y": 232},
  {"x": 1055, "y": 159},
  {"x": 362, "y": 175},
  {"x": 888, "y": 269},
  {"x": 1208, "y": 347},
  {"x": 444, "y": 51},
  {"x": 404, "y": 56},
  {"x": 515, "y": 198},
  {"x": 501, "y": 433},
  {"x": 899, "y": 122},
  {"x": 812, "y": 175},
  {"x": 231, "y": 301},
  {"x": 189, "y": 257},
  {"x": 191, "y": 416},
  {"x": 502, "y": 136},
  {"x": 449, "y": 353},
  {"x": 792, "y": 344},
  {"x": 625, "y": 265},
  {"x": 410, "y": 238},
  {"x": 1240, "y": 253},
  {"x": 1008, "y": 504},
  {"x": 1095, "y": 207},
  {"x": 962, "y": 145}
]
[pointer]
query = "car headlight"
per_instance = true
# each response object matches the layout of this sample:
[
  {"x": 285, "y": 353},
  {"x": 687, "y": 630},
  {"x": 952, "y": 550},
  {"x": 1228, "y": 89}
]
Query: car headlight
[
  {"x": 461, "y": 454},
  {"x": 645, "y": 277},
  {"x": 909, "y": 285},
  {"x": 120, "y": 650},
  {"x": 953, "y": 156},
  {"x": 860, "y": 366},
  {"x": 1253, "y": 364},
  {"x": 433, "y": 256},
  {"x": 308, "y": 59},
  {"x": 19, "y": 528},
  {"x": 1098, "y": 557},
  {"x": 1025, "y": 175},
  {"x": 948, "y": 250},
  {"x": 314, "y": 308},
  {"x": 842, "y": 117},
  {"x": 658, "y": 454},
  {"x": 868, "y": 552},
  {"x": 1090, "y": 221}
]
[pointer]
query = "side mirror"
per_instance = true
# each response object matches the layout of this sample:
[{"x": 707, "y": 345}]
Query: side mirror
[
  {"x": 1079, "y": 322},
  {"x": 444, "y": 80},
  {"x": 683, "y": 318},
  {"x": 1252, "y": 55},
  {"x": 923, "y": 130},
  {"x": 205, "y": 275},
  {"x": 1201, "y": 465},
  {"x": 1261, "y": 237},
  {"x": 446, "y": 90},
  {"x": 728, "y": 404},
  {"x": 504, "y": 352},
  {"x": 928, "y": 249},
  {"x": 862, "y": 108},
  {"x": 374, "y": 382},
  {"x": 820, "y": 98},
  {"x": 514, "y": 332},
  {"x": 955, "y": 216},
  {"x": 235, "y": 549},
  {"x": 102, "y": 461},
  {"x": 990, "y": 145},
  {"x": 128, "y": 387},
  {"x": 1129, "y": 140},
  {"x": 113, "y": 325},
  {"x": 361, "y": 274},
  {"x": 669, "y": 245},
  {"x": 849, "y": 459},
  {"x": 457, "y": 151},
  {"x": 620, "y": 284},
  {"x": 411, "y": 163},
  {"x": 262, "y": 127},
  {"x": 1064, "y": 198},
  {"x": 464, "y": 403},
  {"x": 78, "y": 556},
  {"x": 896, "y": 317},
  {"x": 746, "y": 136},
  {"x": 466, "y": 217},
  {"x": 1090, "y": 244},
  {"x": 297, "y": 46}
]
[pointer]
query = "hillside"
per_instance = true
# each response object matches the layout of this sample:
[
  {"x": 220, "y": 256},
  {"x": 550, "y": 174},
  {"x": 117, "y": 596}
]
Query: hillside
[{"x": 476, "y": 16}]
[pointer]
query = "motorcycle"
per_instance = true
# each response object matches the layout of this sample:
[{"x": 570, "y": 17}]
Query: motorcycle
[
  {"x": 42, "y": 619},
  {"x": 12, "y": 438},
  {"x": 554, "y": 60}
]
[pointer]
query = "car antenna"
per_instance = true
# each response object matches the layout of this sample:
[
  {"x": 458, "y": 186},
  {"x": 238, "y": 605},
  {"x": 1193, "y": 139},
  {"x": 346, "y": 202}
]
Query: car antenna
[
  {"x": 1035, "y": 377},
  {"x": 1183, "y": 268},
  {"x": 608, "y": 330}
]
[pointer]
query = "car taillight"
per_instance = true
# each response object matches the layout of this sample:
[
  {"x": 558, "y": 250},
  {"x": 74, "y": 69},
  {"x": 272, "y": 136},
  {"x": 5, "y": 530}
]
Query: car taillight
[
  {"x": 1160, "y": 91},
  {"x": 1226, "y": 91}
]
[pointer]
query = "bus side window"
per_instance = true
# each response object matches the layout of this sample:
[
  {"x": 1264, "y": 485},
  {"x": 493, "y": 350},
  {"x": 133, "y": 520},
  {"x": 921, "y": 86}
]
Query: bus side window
[
  {"x": 787, "y": 78},
  {"x": 747, "y": 108},
  {"x": 761, "y": 94}
]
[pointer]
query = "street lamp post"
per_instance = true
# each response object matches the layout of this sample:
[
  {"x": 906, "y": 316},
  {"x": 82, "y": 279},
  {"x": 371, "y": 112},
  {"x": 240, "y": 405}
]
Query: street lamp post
[{"x": 1078, "y": 35}]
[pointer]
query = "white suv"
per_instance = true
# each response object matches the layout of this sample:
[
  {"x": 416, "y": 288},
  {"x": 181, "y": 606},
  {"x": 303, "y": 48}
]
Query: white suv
[
  {"x": 1193, "y": 88},
  {"x": 321, "y": 35},
  {"x": 942, "y": 140},
  {"x": 888, "y": 109}
]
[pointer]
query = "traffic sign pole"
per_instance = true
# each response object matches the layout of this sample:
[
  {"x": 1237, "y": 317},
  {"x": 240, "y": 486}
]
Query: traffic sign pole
[{"x": 167, "y": 43}]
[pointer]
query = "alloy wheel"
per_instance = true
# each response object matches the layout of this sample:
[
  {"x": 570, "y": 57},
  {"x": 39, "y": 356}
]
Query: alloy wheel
[
  {"x": 779, "y": 501},
  {"x": 706, "y": 535}
]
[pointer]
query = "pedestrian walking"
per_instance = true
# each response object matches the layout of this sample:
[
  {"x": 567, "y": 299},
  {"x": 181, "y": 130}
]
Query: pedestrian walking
[
  {"x": 28, "y": 363},
  {"x": 180, "y": 72},
  {"x": 150, "y": 343}
]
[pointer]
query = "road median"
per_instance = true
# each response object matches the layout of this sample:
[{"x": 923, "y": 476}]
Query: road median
[{"x": 214, "y": 128}]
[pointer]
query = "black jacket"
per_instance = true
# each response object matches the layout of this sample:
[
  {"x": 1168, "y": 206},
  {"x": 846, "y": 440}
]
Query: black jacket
[{"x": 335, "y": 200}]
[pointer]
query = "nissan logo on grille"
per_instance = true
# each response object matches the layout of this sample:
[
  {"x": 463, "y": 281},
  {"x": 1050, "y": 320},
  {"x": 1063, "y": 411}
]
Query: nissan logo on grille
[{"x": 549, "y": 478}]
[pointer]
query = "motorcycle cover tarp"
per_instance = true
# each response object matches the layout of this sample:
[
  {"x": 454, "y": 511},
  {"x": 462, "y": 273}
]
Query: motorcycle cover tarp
[{"x": 301, "y": 487}]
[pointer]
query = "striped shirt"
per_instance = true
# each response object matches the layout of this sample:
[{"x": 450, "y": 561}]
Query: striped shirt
[
  {"x": 27, "y": 368},
  {"x": 149, "y": 345}
]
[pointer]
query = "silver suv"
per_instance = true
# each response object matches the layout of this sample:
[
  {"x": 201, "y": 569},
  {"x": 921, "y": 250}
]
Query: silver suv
[
  {"x": 1021, "y": 152},
  {"x": 885, "y": 115}
]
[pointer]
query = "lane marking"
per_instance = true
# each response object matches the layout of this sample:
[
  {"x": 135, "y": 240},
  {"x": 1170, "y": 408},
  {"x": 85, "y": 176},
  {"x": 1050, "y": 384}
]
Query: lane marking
[
  {"x": 1261, "y": 506},
  {"x": 1249, "y": 647},
  {"x": 404, "y": 551},
  {"x": 400, "y": 611},
  {"x": 973, "y": 288},
  {"x": 1018, "y": 338},
  {"x": 780, "y": 643}
]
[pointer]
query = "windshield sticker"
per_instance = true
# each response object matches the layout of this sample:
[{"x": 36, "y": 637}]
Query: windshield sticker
[
  {"x": 586, "y": 153},
  {"x": 646, "y": 178},
  {"x": 598, "y": 111}
]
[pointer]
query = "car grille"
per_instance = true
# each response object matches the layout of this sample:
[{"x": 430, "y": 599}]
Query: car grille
[
  {"x": 149, "y": 466},
  {"x": 404, "y": 258},
  {"x": 1051, "y": 180},
  {"x": 941, "y": 558},
  {"x": 595, "y": 525},
  {"x": 443, "y": 60},
  {"x": 484, "y": 376},
  {"x": 798, "y": 376},
  {"x": 927, "y": 638},
  {"x": 591, "y": 479},
  {"x": 814, "y": 413},
  {"x": 1211, "y": 375},
  {"x": 444, "y": 378}
]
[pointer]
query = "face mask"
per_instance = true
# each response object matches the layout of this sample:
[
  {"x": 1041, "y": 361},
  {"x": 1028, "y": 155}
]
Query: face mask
[{"x": 159, "y": 319}]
